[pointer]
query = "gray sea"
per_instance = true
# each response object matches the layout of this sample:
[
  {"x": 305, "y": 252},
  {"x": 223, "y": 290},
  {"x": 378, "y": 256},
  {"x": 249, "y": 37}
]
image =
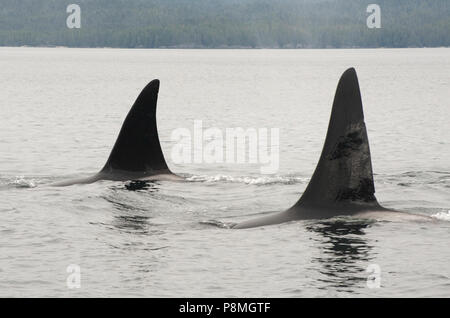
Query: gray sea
[{"x": 61, "y": 110}]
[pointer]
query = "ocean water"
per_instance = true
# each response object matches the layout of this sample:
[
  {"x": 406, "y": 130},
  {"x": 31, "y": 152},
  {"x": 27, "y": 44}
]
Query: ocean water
[{"x": 61, "y": 110}]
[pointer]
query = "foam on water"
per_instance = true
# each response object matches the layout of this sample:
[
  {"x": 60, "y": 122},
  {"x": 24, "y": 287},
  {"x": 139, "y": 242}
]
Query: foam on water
[
  {"x": 445, "y": 216},
  {"x": 22, "y": 182},
  {"x": 248, "y": 180},
  {"x": 17, "y": 182}
]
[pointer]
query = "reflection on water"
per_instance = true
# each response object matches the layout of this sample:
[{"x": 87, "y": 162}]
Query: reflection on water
[
  {"x": 130, "y": 214},
  {"x": 345, "y": 253},
  {"x": 132, "y": 223},
  {"x": 141, "y": 185}
]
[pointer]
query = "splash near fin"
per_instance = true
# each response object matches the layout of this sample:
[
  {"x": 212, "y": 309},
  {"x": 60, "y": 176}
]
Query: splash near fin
[
  {"x": 343, "y": 175},
  {"x": 137, "y": 149}
]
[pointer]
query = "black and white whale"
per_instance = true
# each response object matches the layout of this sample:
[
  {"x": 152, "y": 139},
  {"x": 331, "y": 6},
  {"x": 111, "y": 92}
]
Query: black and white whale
[
  {"x": 342, "y": 183},
  {"x": 137, "y": 153}
]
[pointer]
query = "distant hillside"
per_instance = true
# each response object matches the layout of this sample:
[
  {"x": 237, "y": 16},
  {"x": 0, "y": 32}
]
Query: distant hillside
[{"x": 225, "y": 23}]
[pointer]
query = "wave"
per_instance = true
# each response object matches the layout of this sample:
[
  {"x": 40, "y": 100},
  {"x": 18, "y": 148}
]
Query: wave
[
  {"x": 248, "y": 180},
  {"x": 18, "y": 182},
  {"x": 445, "y": 216},
  {"x": 412, "y": 178},
  {"x": 219, "y": 224}
]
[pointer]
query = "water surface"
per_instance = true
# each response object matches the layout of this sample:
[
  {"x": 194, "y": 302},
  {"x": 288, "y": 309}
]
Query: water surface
[{"x": 61, "y": 110}]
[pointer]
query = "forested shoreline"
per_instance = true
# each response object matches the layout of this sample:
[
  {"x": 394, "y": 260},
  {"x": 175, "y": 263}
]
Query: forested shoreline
[{"x": 225, "y": 23}]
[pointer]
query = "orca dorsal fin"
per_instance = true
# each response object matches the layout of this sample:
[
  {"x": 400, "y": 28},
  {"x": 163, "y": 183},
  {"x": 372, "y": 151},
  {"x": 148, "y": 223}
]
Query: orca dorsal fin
[
  {"x": 137, "y": 148},
  {"x": 344, "y": 173}
]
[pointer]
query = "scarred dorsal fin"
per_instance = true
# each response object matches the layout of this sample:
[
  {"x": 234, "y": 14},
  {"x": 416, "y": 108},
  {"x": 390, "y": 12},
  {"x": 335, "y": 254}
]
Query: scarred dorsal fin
[
  {"x": 137, "y": 148},
  {"x": 344, "y": 172}
]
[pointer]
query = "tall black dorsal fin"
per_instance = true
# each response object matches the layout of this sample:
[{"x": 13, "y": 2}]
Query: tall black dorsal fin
[
  {"x": 344, "y": 172},
  {"x": 137, "y": 149}
]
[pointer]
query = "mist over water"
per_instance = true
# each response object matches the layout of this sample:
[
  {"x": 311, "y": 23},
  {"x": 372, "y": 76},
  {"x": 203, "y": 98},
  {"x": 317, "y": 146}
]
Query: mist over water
[{"x": 61, "y": 111}]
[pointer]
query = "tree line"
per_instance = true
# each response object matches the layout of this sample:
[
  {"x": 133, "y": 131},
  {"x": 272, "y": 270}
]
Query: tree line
[{"x": 225, "y": 23}]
